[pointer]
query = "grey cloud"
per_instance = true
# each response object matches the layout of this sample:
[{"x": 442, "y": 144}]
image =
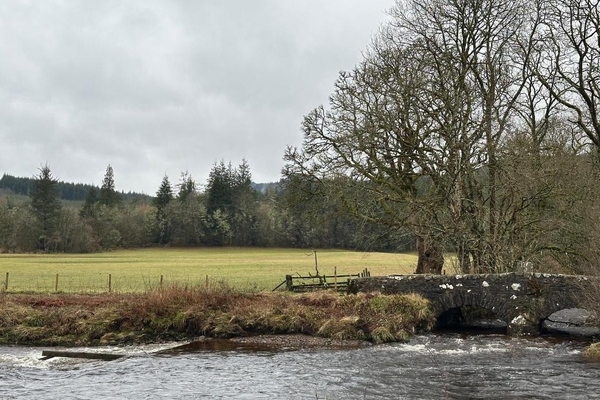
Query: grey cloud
[{"x": 155, "y": 87}]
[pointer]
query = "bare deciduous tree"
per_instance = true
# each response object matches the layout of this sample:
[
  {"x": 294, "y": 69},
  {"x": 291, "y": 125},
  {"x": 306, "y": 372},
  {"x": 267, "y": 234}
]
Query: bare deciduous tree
[
  {"x": 569, "y": 40},
  {"x": 450, "y": 129}
]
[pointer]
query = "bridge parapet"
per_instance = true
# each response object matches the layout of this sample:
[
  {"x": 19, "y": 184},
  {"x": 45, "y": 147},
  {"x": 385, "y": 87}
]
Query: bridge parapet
[{"x": 522, "y": 300}]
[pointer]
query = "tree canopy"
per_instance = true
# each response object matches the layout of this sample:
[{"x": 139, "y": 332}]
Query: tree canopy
[{"x": 456, "y": 126}]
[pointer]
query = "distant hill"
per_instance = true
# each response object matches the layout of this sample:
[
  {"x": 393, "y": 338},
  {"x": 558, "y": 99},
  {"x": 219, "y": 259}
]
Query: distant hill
[
  {"x": 265, "y": 187},
  {"x": 67, "y": 190}
]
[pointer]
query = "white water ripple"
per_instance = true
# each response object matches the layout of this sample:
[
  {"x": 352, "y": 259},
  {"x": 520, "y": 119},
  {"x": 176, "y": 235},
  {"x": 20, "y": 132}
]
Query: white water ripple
[{"x": 429, "y": 367}]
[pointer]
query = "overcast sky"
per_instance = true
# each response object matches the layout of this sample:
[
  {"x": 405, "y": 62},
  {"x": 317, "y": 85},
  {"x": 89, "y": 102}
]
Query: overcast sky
[{"x": 155, "y": 87}]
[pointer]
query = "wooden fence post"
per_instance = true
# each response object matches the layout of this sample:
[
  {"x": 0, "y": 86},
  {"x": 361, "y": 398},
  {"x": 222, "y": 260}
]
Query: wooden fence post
[
  {"x": 161, "y": 281},
  {"x": 6, "y": 283},
  {"x": 56, "y": 284},
  {"x": 206, "y": 282},
  {"x": 109, "y": 283},
  {"x": 335, "y": 278}
]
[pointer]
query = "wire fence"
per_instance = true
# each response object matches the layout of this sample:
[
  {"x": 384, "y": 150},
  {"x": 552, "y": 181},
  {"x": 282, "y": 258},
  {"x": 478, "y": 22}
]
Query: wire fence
[{"x": 101, "y": 283}]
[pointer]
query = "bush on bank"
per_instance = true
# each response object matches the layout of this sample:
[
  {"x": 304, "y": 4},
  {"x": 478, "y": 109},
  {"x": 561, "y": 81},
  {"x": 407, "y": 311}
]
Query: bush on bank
[{"x": 177, "y": 313}]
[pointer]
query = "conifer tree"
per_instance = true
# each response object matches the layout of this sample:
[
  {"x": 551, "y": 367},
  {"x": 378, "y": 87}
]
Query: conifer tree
[
  {"x": 90, "y": 201},
  {"x": 45, "y": 204},
  {"x": 164, "y": 195},
  {"x": 108, "y": 195},
  {"x": 187, "y": 186},
  {"x": 220, "y": 188},
  {"x": 230, "y": 201}
]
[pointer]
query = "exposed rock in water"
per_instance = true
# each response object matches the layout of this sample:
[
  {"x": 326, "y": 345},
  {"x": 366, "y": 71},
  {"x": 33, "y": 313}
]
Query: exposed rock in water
[
  {"x": 491, "y": 324},
  {"x": 571, "y": 321},
  {"x": 299, "y": 341}
]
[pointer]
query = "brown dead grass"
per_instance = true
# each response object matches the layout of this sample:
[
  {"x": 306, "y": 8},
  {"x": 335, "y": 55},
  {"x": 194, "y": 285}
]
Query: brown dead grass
[
  {"x": 592, "y": 353},
  {"x": 175, "y": 313}
]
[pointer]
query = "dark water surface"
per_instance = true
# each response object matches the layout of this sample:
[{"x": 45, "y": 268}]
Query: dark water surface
[{"x": 429, "y": 367}]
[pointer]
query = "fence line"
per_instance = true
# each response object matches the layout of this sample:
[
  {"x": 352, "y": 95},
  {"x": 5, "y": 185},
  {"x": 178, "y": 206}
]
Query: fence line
[
  {"x": 320, "y": 282},
  {"x": 111, "y": 283},
  {"x": 57, "y": 283}
]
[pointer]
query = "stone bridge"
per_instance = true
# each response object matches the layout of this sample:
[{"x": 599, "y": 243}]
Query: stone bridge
[{"x": 523, "y": 301}]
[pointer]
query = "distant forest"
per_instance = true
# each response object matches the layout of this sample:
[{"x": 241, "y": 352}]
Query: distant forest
[
  {"x": 67, "y": 190},
  {"x": 44, "y": 214},
  {"x": 79, "y": 191}
]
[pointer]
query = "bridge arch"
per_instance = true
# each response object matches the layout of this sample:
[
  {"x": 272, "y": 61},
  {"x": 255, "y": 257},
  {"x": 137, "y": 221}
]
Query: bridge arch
[
  {"x": 456, "y": 310},
  {"x": 523, "y": 301}
]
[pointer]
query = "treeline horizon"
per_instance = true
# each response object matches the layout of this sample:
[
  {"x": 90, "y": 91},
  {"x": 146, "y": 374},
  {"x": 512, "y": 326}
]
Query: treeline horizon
[
  {"x": 229, "y": 210},
  {"x": 76, "y": 191},
  {"x": 70, "y": 191}
]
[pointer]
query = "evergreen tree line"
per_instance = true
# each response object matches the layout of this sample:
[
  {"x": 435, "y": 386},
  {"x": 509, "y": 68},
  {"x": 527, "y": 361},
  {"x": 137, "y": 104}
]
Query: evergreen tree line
[
  {"x": 228, "y": 212},
  {"x": 66, "y": 190}
]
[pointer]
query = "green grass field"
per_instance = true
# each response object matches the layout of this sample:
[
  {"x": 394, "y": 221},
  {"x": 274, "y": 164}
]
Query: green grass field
[{"x": 139, "y": 270}]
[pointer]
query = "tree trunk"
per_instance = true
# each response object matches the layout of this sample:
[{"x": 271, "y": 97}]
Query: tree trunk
[
  {"x": 431, "y": 259},
  {"x": 464, "y": 260}
]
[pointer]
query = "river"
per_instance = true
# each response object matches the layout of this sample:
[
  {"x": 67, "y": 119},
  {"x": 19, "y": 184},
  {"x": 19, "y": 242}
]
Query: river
[{"x": 448, "y": 366}]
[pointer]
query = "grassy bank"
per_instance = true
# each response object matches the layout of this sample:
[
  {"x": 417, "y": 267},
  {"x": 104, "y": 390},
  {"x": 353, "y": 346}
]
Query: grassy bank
[
  {"x": 140, "y": 270},
  {"x": 177, "y": 313},
  {"x": 592, "y": 353}
]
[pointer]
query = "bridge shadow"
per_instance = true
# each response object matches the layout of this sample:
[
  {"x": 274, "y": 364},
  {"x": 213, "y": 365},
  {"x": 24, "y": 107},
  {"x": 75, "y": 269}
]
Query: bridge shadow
[{"x": 470, "y": 318}]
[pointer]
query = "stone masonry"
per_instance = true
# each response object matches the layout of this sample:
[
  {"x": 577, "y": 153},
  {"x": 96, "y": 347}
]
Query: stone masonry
[{"x": 523, "y": 301}]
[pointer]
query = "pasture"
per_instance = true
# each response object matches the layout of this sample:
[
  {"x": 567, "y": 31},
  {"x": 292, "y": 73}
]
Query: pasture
[{"x": 140, "y": 270}]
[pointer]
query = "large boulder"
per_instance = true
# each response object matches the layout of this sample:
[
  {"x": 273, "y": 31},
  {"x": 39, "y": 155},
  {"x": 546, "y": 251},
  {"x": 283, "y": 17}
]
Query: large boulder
[{"x": 571, "y": 321}]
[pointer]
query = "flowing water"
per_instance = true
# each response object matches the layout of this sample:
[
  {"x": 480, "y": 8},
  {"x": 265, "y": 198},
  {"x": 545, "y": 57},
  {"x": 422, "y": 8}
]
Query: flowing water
[{"x": 431, "y": 366}]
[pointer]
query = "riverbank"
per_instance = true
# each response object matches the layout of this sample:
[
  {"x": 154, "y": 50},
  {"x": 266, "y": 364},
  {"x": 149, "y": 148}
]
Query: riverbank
[
  {"x": 592, "y": 352},
  {"x": 184, "y": 313}
]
